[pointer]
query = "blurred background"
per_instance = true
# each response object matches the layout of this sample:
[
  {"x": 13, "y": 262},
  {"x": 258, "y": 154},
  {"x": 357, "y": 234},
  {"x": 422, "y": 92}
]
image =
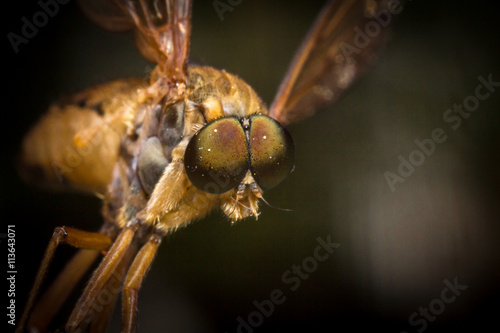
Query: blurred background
[{"x": 399, "y": 248}]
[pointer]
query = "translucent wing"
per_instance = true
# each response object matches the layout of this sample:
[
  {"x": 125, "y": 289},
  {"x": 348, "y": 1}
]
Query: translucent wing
[
  {"x": 344, "y": 40},
  {"x": 110, "y": 15},
  {"x": 162, "y": 29}
]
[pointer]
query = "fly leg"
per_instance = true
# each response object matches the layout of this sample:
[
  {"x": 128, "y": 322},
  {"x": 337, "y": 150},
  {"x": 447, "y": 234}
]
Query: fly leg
[
  {"x": 73, "y": 237},
  {"x": 101, "y": 275},
  {"x": 109, "y": 294},
  {"x": 133, "y": 282}
]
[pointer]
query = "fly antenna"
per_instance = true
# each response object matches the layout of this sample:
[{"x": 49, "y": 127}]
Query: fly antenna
[
  {"x": 257, "y": 192},
  {"x": 279, "y": 208}
]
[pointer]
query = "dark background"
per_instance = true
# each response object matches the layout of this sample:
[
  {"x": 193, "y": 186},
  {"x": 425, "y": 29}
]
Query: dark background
[{"x": 396, "y": 248}]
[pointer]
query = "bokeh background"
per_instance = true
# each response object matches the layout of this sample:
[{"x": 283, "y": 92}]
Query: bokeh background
[{"x": 396, "y": 247}]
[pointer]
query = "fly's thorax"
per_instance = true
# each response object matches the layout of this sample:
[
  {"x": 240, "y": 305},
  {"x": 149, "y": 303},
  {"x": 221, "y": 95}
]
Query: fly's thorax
[{"x": 207, "y": 86}]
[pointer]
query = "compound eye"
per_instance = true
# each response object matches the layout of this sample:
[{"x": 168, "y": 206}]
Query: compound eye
[
  {"x": 272, "y": 152},
  {"x": 216, "y": 158}
]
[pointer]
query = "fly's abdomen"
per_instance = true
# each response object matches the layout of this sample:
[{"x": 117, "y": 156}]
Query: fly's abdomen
[{"x": 76, "y": 143}]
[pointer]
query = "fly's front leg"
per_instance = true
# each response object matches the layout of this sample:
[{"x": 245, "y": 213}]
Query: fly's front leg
[
  {"x": 106, "y": 300},
  {"x": 73, "y": 237},
  {"x": 171, "y": 187},
  {"x": 133, "y": 281}
]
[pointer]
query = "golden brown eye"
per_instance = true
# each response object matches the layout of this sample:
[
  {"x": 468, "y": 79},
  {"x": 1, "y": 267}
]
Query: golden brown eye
[
  {"x": 272, "y": 151},
  {"x": 217, "y": 158}
]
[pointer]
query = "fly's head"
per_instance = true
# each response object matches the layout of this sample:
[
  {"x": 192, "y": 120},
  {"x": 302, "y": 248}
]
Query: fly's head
[{"x": 238, "y": 152}]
